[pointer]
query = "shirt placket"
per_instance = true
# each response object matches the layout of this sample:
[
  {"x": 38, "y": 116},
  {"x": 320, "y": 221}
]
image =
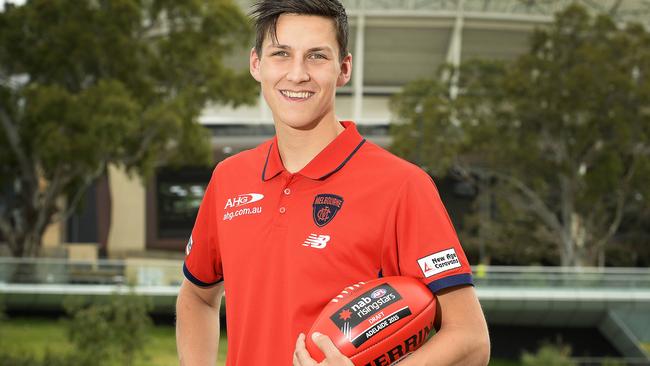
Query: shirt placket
[{"x": 284, "y": 203}]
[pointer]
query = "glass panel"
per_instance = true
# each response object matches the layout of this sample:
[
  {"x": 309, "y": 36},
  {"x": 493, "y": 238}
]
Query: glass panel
[{"x": 179, "y": 195}]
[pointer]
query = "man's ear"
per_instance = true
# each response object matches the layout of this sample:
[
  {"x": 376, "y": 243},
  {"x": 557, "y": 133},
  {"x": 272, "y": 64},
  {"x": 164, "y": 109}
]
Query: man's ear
[
  {"x": 346, "y": 71},
  {"x": 254, "y": 64}
]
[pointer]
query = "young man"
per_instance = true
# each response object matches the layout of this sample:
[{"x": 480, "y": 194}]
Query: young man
[{"x": 285, "y": 226}]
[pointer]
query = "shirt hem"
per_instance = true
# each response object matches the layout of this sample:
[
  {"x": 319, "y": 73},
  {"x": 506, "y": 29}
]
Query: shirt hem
[
  {"x": 190, "y": 277},
  {"x": 451, "y": 281}
]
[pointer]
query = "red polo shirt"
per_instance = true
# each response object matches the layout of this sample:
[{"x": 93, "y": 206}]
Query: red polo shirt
[{"x": 286, "y": 244}]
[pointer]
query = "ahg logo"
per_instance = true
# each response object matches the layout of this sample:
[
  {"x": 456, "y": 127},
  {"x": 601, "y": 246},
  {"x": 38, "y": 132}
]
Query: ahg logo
[{"x": 243, "y": 199}]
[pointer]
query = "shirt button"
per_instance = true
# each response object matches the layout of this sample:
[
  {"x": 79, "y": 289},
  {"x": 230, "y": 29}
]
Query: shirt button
[
  {"x": 287, "y": 191},
  {"x": 283, "y": 210}
]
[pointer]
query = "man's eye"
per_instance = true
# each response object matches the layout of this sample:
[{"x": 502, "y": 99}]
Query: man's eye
[
  {"x": 317, "y": 56},
  {"x": 280, "y": 53}
]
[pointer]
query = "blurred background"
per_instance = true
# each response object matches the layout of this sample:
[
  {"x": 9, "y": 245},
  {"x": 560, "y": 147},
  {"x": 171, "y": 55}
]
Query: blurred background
[{"x": 532, "y": 116}]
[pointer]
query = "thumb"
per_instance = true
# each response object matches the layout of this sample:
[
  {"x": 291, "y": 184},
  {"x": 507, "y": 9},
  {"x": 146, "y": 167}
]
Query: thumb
[{"x": 326, "y": 345}]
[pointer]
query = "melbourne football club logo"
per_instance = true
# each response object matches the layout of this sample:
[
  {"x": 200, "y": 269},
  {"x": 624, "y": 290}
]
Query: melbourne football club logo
[{"x": 325, "y": 208}]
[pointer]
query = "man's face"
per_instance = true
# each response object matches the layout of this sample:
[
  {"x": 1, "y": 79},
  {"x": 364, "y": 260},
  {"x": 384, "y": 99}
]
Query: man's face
[{"x": 300, "y": 73}]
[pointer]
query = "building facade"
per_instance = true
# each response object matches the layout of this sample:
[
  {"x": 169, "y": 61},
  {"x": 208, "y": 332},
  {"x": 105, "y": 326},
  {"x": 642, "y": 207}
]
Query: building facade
[{"x": 392, "y": 42}]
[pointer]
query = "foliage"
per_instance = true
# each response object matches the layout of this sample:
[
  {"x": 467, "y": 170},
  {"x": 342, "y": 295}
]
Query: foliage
[
  {"x": 12, "y": 357},
  {"x": 50, "y": 358},
  {"x": 32, "y": 336},
  {"x": 2, "y": 308},
  {"x": 116, "y": 329},
  {"x": 548, "y": 355},
  {"x": 3, "y": 317},
  {"x": 557, "y": 141},
  {"x": 85, "y": 84}
]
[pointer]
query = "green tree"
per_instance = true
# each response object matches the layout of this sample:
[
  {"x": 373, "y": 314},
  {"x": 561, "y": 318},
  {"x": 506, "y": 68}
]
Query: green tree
[
  {"x": 115, "y": 330},
  {"x": 85, "y": 84},
  {"x": 557, "y": 141}
]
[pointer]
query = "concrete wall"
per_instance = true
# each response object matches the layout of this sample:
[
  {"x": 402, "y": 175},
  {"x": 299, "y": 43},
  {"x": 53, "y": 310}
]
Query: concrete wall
[
  {"x": 637, "y": 321},
  {"x": 53, "y": 235},
  {"x": 128, "y": 216}
]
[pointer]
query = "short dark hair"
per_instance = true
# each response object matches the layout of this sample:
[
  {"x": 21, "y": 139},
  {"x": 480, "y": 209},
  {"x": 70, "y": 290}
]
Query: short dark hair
[{"x": 266, "y": 12}]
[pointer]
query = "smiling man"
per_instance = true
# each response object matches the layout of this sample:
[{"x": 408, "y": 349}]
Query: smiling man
[{"x": 285, "y": 226}]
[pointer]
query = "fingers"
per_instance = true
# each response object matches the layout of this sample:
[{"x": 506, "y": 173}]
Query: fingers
[
  {"x": 333, "y": 356},
  {"x": 329, "y": 349},
  {"x": 301, "y": 356}
]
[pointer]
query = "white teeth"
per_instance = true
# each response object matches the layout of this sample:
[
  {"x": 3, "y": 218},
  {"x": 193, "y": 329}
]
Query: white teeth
[{"x": 301, "y": 95}]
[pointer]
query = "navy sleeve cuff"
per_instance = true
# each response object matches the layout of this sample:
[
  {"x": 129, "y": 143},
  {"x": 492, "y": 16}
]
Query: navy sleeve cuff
[
  {"x": 195, "y": 280},
  {"x": 451, "y": 281}
]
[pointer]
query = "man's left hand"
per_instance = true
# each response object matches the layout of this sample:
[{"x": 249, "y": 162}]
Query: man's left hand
[{"x": 333, "y": 357}]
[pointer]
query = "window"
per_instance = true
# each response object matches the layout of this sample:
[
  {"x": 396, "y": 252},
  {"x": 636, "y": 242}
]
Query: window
[{"x": 173, "y": 201}]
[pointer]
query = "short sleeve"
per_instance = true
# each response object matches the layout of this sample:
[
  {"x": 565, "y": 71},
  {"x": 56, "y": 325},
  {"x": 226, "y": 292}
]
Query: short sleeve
[
  {"x": 202, "y": 259},
  {"x": 420, "y": 240}
]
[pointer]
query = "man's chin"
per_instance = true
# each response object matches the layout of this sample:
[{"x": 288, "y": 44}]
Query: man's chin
[{"x": 303, "y": 123}]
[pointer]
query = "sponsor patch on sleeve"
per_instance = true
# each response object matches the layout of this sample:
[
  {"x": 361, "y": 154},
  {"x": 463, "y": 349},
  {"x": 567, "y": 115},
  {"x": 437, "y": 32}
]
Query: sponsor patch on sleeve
[{"x": 439, "y": 262}]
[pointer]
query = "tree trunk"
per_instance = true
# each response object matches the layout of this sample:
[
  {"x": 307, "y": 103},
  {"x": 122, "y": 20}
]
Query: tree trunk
[
  {"x": 567, "y": 255},
  {"x": 26, "y": 272},
  {"x": 579, "y": 239},
  {"x": 568, "y": 252}
]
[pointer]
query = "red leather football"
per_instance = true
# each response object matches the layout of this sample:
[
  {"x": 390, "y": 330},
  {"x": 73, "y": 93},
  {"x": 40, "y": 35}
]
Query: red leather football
[{"x": 377, "y": 322}]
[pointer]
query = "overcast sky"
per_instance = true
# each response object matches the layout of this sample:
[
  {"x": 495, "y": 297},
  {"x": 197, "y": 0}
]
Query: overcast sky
[{"x": 2, "y": 3}]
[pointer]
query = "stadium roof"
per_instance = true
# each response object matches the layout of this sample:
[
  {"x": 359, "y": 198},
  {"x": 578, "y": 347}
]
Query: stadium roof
[
  {"x": 622, "y": 10},
  {"x": 397, "y": 41}
]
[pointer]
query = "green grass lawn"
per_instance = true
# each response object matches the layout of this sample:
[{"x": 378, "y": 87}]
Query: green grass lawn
[{"x": 35, "y": 336}]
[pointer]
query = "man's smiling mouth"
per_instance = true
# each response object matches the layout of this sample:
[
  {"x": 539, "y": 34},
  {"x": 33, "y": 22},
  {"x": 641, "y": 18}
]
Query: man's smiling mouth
[{"x": 302, "y": 95}]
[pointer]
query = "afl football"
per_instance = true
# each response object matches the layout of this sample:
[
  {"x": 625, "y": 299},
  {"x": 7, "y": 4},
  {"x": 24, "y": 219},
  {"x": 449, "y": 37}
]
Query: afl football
[{"x": 377, "y": 322}]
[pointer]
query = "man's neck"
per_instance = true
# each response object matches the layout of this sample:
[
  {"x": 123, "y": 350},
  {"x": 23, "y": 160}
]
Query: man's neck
[{"x": 298, "y": 147}]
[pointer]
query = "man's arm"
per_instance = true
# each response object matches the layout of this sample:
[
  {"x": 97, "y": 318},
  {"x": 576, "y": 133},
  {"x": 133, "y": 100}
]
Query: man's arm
[
  {"x": 463, "y": 337},
  {"x": 197, "y": 323}
]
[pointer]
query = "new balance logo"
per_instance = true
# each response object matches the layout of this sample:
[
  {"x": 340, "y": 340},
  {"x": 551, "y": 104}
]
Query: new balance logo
[{"x": 316, "y": 241}]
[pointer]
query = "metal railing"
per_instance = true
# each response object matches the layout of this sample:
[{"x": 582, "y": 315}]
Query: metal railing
[
  {"x": 562, "y": 277},
  {"x": 138, "y": 272},
  {"x": 155, "y": 272}
]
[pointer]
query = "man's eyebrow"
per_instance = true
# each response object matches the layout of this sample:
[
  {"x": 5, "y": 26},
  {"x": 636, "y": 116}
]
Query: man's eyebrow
[
  {"x": 317, "y": 49},
  {"x": 314, "y": 49}
]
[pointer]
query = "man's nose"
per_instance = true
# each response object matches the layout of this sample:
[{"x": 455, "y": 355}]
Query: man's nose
[{"x": 298, "y": 71}]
